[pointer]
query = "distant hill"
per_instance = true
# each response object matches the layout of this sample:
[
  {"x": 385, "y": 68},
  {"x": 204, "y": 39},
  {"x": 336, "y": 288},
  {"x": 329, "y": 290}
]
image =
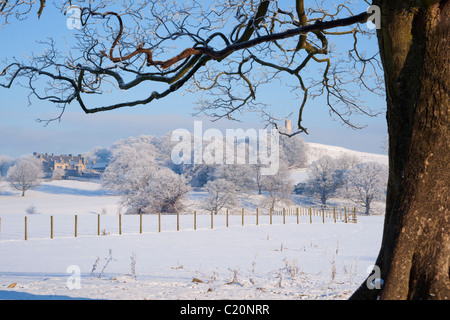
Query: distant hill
[{"x": 317, "y": 150}]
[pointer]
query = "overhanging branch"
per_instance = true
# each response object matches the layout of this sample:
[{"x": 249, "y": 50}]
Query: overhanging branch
[{"x": 229, "y": 49}]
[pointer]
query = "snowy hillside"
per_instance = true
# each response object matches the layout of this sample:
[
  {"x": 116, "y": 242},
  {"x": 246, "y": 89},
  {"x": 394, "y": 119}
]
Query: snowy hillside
[{"x": 316, "y": 151}]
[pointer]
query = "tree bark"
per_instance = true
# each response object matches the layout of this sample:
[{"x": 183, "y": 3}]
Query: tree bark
[{"x": 415, "y": 249}]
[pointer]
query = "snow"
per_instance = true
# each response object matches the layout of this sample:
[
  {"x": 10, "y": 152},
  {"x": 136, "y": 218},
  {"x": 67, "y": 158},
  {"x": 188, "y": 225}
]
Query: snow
[
  {"x": 264, "y": 261},
  {"x": 299, "y": 175},
  {"x": 290, "y": 262},
  {"x": 59, "y": 197},
  {"x": 316, "y": 151}
]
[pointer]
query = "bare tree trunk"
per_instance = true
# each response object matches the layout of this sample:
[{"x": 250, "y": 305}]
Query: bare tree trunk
[
  {"x": 367, "y": 205},
  {"x": 415, "y": 250}
]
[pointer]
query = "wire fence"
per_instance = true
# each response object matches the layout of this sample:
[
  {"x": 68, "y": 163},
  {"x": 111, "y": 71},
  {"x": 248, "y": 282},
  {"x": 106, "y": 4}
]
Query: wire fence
[{"x": 38, "y": 226}]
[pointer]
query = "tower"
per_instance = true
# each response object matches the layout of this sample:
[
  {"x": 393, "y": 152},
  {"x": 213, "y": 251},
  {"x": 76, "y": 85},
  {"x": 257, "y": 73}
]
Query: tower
[{"x": 288, "y": 126}]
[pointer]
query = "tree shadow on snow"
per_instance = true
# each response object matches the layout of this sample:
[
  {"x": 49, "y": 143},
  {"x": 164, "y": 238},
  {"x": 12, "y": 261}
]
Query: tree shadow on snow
[
  {"x": 74, "y": 191},
  {"x": 15, "y": 295}
]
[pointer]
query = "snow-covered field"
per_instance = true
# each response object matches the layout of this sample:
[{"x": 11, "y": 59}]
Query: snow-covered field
[
  {"x": 278, "y": 261},
  {"x": 265, "y": 261}
]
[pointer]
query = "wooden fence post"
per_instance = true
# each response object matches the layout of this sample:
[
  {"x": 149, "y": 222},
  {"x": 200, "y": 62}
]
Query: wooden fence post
[
  {"x": 345, "y": 212},
  {"x": 212, "y": 219},
  {"x": 120, "y": 223},
  {"x": 257, "y": 216},
  {"x": 140, "y": 223},
  {"x": 227, "y": 219},
  {"x": 51, "y": 227},
  {"x": 298, "y": 214},
  {"x": 323, "y": 214},
  {"x": 310, "y": 215},
  {"x": 334, "y": 214},
  {"x": 98, "y": 224},
  {"x": 178, "y": 221},
  {"x": 354, "y": 213},
  {"x": 284, "y": 215},
  {"x": 76, "y": 226},
  {"x": 26, "y": 231},
  {"x": 195, "y": 220},
  {"x": 159, "y": 222},
  {"x": 270, "y": 215}
]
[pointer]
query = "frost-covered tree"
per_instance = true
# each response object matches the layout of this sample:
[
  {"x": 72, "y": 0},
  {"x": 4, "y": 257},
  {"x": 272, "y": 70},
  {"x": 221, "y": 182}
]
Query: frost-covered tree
[
  {"x": 165, "y": 192},
  {"x": 163, "y": 147},
  {"x": 294, "y": 151},
  {"x": 239, "y": 174},
  {"x": 279, "y": 187},
  {"x": 257, "y": 176},
  {"x": 367, "y": 182},
  {"x": 221, "y": 194},
  {"x": 5, "y": 163},
  {"x": 58, "y": 174},
  {"x": 145, "y": 186},
  {"x": 344, "y": 164},
  {"x": 324, "y": 178},
  {"x": 98, "y": 154},
  {"x": 199, "y": 174},
  {"x": 132, "y": 163},
  {"x": 25, "y": 174}
]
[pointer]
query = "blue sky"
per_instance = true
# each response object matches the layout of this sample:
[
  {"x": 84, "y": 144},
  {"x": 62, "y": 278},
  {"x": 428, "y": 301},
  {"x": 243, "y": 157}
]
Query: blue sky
[{"x": 77, "y": 132}]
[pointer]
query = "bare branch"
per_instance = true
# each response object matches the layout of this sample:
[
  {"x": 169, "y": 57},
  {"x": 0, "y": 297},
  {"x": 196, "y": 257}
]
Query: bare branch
[{"x": 252, "y": 44}]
